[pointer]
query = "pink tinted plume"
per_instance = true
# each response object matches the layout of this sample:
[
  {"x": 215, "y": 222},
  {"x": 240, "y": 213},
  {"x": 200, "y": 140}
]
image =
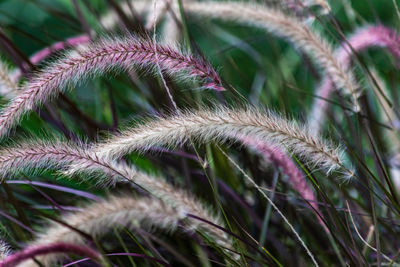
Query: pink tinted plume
[
  {"x": 98, "y": 58},
  {"x": 296, "y": 178},
  {"x": 378, "y": 36}
]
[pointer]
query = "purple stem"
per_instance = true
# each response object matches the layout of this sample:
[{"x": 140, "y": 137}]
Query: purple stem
[
  {"x": 48, "y": 51},
  {"x": 230, "y": 193},
  {"x": 70, "y": 42},
  {"x": 378, "y": 36},
  {"x": 31, "y": 252},
  {"x": 296, "y": 178},
  {"x": 51, "y": 207},
  {"x": 123, "y": 254},
  {"x": 249, "y": 243},
  {"x": 180, "y": 153},
  {"x": 46, "y": 196},
  {"x": 2, "y": 213},
  {"x": 57, "y": 187}
]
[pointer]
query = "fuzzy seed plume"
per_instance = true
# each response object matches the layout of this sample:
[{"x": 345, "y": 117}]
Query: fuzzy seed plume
[
  {"x": 35, "y": 155},
  {"x": 144, "y": 8},
  {"x": 363, "y": 38},
  {"x": 100, "y": 57},
  {"x": 288, "y": 27},
  {"x": 221, "y": 125},
  {"x": 77, "y": 160},
  {"x": 276, "y": 22},
  {"x": 99, "y": 218},
  {"x": 180, "y": 200}
]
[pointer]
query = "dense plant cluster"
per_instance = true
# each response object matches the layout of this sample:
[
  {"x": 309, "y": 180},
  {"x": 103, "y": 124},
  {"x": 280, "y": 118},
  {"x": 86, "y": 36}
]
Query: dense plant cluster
[{"x": 200, "y": 133}]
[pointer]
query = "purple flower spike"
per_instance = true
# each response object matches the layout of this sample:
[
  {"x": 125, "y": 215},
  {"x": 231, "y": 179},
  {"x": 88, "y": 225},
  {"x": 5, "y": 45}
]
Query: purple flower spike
[
  {"x": 296, "y": 178},
  {"x": 371, "y": 36},
  {"x": 98, "y": 58},
  {"x": 70, "y": 42}
]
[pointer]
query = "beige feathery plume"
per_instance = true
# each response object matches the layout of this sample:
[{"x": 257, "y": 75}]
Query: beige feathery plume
[
  {"x": 289, "y": 27},
  {"x": 98, "y": 219},
  {"x": 73, "y": 159},
  {"x": 276, "y": 22},
  {"x": 104, "y": 55},
  {"x": 223, "y": 124}
]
